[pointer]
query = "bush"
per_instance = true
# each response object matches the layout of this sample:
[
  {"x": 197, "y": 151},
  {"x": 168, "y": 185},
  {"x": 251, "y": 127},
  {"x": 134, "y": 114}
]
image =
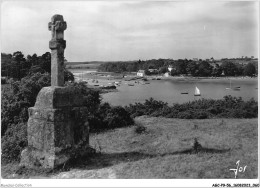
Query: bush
[
  {"x": 185, "y": 115},
  {"x": 228, "y": 107},
  {"x": 107, "y": 117},
  {"x": 13, "y": 142},
  {"x": 140, "y": 129},
  {"x": 19, "y": 97},
  {"x": 117, "y": 117},
  {"x": 200, "y": 115}
]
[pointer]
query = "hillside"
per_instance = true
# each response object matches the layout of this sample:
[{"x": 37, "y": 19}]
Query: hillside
[{"x": 164, "y": 150}]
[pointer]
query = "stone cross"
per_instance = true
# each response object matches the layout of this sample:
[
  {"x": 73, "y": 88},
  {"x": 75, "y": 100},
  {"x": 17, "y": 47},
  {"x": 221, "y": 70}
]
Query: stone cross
[
  {"x": 57, "y": 128},
  {"x": 57, "y": 46}
]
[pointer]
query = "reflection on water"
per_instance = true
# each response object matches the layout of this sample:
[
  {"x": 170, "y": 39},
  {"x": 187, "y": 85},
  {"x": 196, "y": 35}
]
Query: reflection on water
[{"x": 170, "y": 91}]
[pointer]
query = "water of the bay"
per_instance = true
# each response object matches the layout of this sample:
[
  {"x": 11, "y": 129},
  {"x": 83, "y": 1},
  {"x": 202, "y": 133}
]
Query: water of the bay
[{"x": 170, "y": 91}]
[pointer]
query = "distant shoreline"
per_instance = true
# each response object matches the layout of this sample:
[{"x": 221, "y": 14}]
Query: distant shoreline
[
  {"x": 209, "y": 78},
  {"x": 94, "y": 72},
  {"x": 86, "y": 75}
]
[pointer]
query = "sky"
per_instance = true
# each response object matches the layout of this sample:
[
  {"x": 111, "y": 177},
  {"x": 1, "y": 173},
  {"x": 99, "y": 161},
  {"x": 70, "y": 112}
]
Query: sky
[{"x": 132, "y": 30}]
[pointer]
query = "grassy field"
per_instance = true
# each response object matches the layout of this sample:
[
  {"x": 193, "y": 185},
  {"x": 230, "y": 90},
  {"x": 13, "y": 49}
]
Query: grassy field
[{"x": 165, "y": 149}]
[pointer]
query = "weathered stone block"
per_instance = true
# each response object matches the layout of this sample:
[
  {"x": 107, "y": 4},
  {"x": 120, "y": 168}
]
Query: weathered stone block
[
  {"x": 64, "y": 132},
  {"x": 32, "y": 157},
  {"x": 50, "y": 114},
  {"x": 41, "y": 134},
  {"x": 58, "y": 97},
  {"x": 57, "y": 127}
]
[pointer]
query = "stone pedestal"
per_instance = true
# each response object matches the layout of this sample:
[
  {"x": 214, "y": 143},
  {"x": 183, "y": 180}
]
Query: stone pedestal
[{"x": 57, "y": 128}]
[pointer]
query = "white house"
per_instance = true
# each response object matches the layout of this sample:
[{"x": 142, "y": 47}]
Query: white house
[
  {"x": 141, "y": 73},
  {"x": 170, "y": 68}
]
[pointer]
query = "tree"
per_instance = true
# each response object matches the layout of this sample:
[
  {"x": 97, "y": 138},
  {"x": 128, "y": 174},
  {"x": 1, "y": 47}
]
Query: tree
[
  {"x": 173, "y": 72},
  {"x": 192, "y": 68},
  {"x": 5, "y": 64},
  {"x": 217, "y": 70},
  {"x": 33, "y": 60},
  {"x": 45, "y": 62},
  {"x": 163, "y": 70},
  {"x": 17, "y": 65},
  {"x": 147, "y": 72},
  {"x": 239, "y": 70},
  {"x": 249, "y": 70},
  {"x": 21, "y": 95},
  {"x": 229, "y": 68},
  {"x": 181, "y": 66},
  {"x": 204, "y": 69},
  {"x": 132, "y": 67}
]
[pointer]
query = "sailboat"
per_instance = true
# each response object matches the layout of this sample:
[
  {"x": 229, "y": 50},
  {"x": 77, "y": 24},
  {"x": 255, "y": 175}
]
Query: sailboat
[{"x": 197, "y": 92}]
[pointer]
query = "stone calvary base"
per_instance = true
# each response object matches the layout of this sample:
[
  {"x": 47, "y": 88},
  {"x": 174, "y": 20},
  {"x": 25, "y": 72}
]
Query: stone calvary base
[{"x": 57, "y": 128}]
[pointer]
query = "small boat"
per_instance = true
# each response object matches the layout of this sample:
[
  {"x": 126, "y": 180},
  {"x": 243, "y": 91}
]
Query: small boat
[
  {"x": 130, "y": 84},
  {"x": 109, "y": 87},
  {"x": 197, "y": 92},
  {"x": 184, "y": 93},
  {"x": 236, "y": 88},
  {"x": 158, "y": 78}
]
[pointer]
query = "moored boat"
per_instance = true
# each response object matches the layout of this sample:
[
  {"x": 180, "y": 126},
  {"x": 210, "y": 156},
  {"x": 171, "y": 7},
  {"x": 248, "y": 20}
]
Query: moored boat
[{"x": 197, "y": 92}]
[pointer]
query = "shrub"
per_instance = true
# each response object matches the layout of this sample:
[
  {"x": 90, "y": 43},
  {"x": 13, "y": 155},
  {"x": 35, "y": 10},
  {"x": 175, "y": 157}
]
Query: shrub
[
  {"x": 19, "y": 97},
  {"x": 228, "y": 107},
  {"x": 200, "y": 115},
  {"x": 117, "y": 117},
  {"x": 185, "y": 115},
  {"x": 109, "y": 117},
  {"x": 140, "y": 129},
  {"x": 13, "y": 142}
]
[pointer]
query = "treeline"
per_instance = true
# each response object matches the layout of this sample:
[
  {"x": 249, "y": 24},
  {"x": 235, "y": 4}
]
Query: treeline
[
  {"x": 17, "y": 66},
  {"x": 186, "y": 67},
  {"x": 228, "y": 107}
]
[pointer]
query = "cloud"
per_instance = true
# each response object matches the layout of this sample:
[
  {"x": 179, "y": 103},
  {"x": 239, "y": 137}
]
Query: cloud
[{"x": 119, "y": 30}]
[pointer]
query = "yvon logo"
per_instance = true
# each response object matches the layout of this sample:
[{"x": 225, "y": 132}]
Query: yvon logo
[{"x": 238, "y": 169}]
